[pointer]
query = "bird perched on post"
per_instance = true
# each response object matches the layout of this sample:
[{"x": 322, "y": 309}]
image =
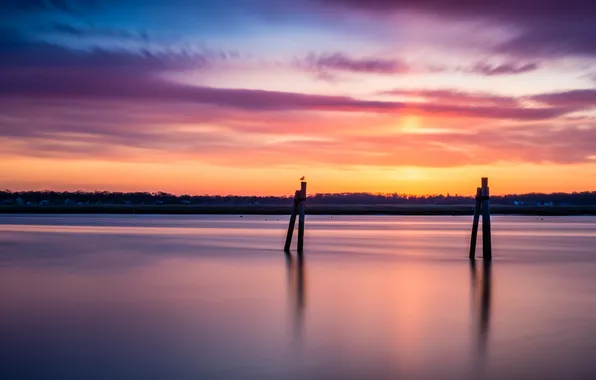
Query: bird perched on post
[{"x": 302, "y": 178}]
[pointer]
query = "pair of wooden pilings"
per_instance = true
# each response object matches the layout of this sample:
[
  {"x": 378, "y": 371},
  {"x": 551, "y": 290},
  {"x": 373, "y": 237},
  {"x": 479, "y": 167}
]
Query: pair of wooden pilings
[
  {"x": 297, "y": 208},
  {"x": 482, "y": 206}
]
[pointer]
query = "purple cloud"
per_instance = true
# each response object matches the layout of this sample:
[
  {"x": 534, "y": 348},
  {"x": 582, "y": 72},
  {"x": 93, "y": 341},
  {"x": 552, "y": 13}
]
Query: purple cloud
[
  {"x": 342, "y": 62},
  {"x": 545, "y": 27},
  {"x": 465, "y": 8},
  {"x": 45, "y": 72},
  {"x": 554, "y": 38},
  {"x": 573, "y": 98},
  {"x": 129, "y": 85},
  {"x": 508, "y": 68}
]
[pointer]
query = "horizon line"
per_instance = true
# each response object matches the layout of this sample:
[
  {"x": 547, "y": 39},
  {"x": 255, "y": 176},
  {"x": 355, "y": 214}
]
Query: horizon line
[{"x": 290, "y": 194}]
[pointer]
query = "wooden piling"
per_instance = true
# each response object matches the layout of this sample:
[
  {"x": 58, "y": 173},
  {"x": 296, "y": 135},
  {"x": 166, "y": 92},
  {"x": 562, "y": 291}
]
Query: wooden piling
[
  {"x": 292, "y": 221},
  {"x": 482, "y": 205},
  {"x": 477, "y": 208},
  {"x": 302, "y": 216},
  {"x": 297, "y": 209},
  {"x": 486, "y": 238}
]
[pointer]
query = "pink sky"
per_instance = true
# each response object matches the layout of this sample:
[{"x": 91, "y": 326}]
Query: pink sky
[{"x": 247, "y": 97}]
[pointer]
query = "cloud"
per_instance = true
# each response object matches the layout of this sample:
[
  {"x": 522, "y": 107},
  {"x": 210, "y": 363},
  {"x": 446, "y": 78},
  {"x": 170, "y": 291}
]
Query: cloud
[
  {"x": 466, "y": 8},
  {"x": 554, "y": 38},
  {"x": 20, "y": 53},
  {"x": 128, "y": 85},
  {"x": 342, "y": 62},
  {"x": 44, "y": 71},
  {"x": 110, "y": 130},
  {"x": 73, "y": 7},
  {"x": 574, "y": 98},
  {"x": 153, "y": 133},
  {"x": 539, "y": 143},
  {"x": 452, "y": 96},
  {"x": 94, "y": 32},
  {"x": 508, "y": 68},
  {"x": 117, "y": 104},
  {"x": 326, "y": 65},
  {"x": 540, "y": 27}
]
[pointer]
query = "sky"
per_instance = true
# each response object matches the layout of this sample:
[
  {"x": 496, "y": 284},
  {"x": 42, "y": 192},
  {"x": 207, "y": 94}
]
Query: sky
[{"x": 247, "y": 96}]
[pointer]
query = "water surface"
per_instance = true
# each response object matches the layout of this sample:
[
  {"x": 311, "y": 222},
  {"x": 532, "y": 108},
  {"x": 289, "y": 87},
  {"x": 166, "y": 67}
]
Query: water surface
[{"x": 199, "y": 297}]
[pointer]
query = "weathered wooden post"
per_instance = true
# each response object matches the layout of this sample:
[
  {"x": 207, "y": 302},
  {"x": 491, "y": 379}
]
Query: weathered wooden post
[
  {"x": 486, "y": 238},
  {"x": 302, "y": 216},
  {"x": 482, "y": 205},
  {"x": 298, "y": 208},
  {"x": 477, "y": 206},
  {"x": 292, "y": 221}
]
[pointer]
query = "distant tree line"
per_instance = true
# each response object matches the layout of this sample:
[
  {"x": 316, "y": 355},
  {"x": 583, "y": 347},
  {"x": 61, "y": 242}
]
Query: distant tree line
[{"x": 8, "y": 197}]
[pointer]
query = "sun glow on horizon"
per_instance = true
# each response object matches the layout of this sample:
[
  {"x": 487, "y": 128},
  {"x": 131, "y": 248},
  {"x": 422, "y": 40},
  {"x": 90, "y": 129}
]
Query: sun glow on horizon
[
  {"x": 191, "y": 178},
  {"x": 337, "y": 93}
]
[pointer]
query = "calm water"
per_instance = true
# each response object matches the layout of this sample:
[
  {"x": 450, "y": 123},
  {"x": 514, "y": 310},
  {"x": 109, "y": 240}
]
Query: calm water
[{"x": 200, "y": 297}]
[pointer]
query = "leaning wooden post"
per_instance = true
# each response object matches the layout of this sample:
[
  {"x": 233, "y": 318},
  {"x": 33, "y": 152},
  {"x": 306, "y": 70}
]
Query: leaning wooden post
[
  {"x": 292, "y": 221},
  {"x": 301, "y": 219},
  {"x": 486, "y": 240},
  {"x": 477, "y": 207}
]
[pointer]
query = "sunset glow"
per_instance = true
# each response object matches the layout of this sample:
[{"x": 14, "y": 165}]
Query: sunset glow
[{"x": 245, "y": 97}]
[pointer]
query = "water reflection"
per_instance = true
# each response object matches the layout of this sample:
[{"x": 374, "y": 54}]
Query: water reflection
[
  {"x": 391, "y": 304},
  {"x": 481, "y": 303},
  {"x": 297, "y": 293}
]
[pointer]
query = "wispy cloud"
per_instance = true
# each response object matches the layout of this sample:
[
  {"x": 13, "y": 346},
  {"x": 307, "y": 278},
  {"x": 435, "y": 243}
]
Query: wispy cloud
[
  {"x": 72, "y": 7},
  {"x": 574, "y": 98},
  {"x": 341, "y": 62},
  {"x": 100, "y": 74},
  {"x": 508, "y": 68},
  {"x": 542, "y": 28},
  {"x": 89, "y": 31},
  {"x": 187, "y": 133},
  {"x": 452, "y": 96},
  {"x": 127, "y": 86},
  {"x": 328, "y": 65}
]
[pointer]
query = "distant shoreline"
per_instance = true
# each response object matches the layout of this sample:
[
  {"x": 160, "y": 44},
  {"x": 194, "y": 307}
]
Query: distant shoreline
[{"x": 381, "y": 209}]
